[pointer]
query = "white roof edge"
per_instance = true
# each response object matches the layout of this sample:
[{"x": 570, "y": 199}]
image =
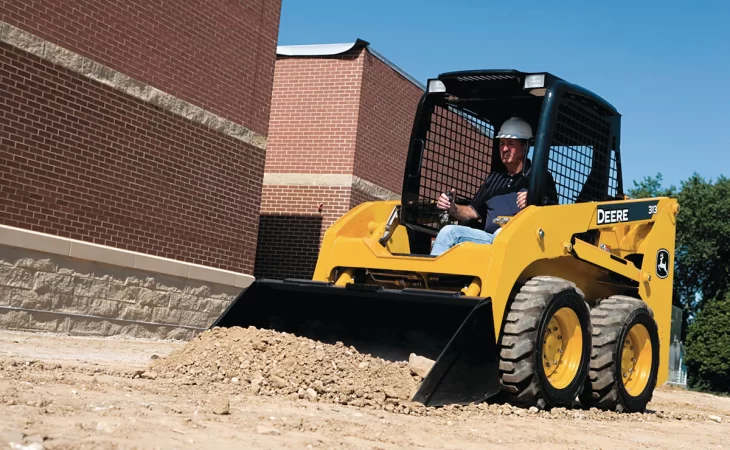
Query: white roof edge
[
  {"x": 337, "y": 49},
  {"x": 318, "y": 49}
]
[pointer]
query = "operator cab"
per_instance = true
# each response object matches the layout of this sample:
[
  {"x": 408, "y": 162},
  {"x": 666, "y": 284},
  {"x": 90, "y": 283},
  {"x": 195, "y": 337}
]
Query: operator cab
[{"x": 577, "y": 137}]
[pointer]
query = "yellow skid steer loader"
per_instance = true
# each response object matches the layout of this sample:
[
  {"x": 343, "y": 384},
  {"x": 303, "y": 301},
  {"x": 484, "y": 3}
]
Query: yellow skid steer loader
[{"x": 569, "y": 305}]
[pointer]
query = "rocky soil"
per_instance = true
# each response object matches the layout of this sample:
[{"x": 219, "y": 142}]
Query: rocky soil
[
  {"x": 262, "y": 362},
  {"x": 271, "y": 390},
  {"x": 267, "y": 363}
]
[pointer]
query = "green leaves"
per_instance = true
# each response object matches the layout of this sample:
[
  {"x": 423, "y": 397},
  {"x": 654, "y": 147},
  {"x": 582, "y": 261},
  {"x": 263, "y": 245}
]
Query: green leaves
[
  {"x": 703, "y": 234},
  {"x": 651, "y": 187},
  {"x": 708, "y": 347}
]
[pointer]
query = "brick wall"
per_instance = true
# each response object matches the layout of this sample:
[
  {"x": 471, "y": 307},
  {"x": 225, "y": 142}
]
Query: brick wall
[
  {"x": 313, "y": 130},
  {"x": 82, "y": 160},
  {"x": 346, "y": 115},
  {"x": 387, "y": 108},
  {"x": 291, "y": 228},
  {"x": 219, "y": 55},
  {"x": 314, "y": 108},
  {"x": 358, "y": 197},
  {"x": 137, "y": 125}
]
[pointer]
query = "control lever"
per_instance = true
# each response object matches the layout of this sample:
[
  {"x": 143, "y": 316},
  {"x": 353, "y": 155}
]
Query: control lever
[
  {"x": 390, "y": 226},
  {"x": 444, "y": 216}
]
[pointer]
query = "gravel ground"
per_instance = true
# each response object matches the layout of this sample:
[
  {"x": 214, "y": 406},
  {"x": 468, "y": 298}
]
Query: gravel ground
[{"x": 271, "y": 390}]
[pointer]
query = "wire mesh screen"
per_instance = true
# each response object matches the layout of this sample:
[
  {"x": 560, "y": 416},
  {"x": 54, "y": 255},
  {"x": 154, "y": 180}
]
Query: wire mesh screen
[
  {"x": 613, "y": 176},
  {"x": 579, "y": 160},
  {"x": 457, "y": 154}
]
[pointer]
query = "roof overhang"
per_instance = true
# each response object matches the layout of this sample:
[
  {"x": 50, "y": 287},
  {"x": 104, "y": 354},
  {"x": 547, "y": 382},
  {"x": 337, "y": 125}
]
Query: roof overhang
[
  {"x": 319, "y": 49},
  {"x": 338, "y": 49}
]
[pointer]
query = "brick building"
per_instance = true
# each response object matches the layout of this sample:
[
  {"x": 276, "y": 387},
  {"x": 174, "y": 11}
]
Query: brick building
[
  {"x": 341, "y": 118},
  {"x": 133, "y": 144}
]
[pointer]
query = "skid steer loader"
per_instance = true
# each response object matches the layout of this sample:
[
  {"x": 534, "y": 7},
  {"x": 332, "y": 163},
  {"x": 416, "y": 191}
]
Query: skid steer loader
[{"x": 569, "y": 306}]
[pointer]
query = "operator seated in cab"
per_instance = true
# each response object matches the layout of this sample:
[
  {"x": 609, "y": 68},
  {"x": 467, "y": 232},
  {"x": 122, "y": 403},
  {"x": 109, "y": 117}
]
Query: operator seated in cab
[{"x": 503, "y": 193}]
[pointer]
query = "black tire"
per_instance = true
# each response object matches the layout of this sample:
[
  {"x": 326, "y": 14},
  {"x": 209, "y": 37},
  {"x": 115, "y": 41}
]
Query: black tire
[
  {"x": 606, "y": 388},
  {"x": 523, "y": 375}
]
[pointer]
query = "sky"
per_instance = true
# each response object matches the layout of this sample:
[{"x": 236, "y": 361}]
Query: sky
[{"x": 665, "y": 65}]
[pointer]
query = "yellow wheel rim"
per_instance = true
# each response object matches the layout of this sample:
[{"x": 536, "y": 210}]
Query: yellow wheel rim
[
  {"x": 636, "y": 360},
  {"x": 562, "y": 347}
]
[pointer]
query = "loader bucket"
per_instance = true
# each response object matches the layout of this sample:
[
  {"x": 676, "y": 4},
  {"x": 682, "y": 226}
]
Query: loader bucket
[{"x": 455, "y": 330}]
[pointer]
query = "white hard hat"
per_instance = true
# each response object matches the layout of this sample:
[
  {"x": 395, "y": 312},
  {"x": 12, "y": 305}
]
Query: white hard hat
[{"x": 515, "y": 128}]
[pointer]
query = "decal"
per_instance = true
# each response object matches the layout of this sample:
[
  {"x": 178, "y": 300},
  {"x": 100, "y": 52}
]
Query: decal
[
  {"x": 662, "y": 263},
  {"x": 626, "y": 212}
]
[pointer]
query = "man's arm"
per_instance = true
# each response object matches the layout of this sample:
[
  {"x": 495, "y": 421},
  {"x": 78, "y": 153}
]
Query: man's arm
[
  {"x": 551, "y": 194},
  {"x": 458, "y": 212},
  {"x": 476, "y": 209},
  {"x": 464, "y": 212}
]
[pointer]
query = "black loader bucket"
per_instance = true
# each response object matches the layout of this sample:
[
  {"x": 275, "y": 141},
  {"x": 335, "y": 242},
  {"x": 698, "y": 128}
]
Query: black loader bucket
[{"x": 455, "y": 330}]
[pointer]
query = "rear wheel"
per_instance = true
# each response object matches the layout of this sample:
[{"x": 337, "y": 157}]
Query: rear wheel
[
  {"x": 546, "y": 344},
  {"x": 625, "y": 356}
]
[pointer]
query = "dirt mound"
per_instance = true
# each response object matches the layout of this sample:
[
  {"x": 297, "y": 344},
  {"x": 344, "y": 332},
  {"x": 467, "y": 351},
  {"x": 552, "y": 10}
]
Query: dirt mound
[
  {"x": 268, "y": 363},
  {"x": 264, "y": 362}
]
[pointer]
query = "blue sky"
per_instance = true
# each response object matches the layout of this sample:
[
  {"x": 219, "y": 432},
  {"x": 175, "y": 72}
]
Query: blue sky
[{"x": 664, "y": 65}]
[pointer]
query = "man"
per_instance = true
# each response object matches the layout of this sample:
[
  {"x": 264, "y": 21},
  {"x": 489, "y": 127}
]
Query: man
[{"x": 501, "y": 194}]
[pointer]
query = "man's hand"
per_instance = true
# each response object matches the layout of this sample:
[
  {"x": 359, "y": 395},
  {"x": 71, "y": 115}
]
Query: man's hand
[
  {"x": 443, "y": 202},
  {"x": 522, "y": 199},
  {"x": 458, "y": 212}
]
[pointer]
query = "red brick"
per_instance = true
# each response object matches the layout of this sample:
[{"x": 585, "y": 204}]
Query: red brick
[
  {"x": 346, "y": 114},
  {"x": 219, "y": 56},
  {"x": 148, "y": 181}
]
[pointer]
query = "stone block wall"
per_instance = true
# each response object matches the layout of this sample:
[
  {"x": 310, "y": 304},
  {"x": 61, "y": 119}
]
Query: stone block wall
[{"x": 54, "y": 291}]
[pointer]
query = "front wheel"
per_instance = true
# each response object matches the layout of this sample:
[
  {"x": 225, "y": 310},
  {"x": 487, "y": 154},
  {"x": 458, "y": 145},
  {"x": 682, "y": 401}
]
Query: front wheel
[
  {"x": 546, "y": 344},
  {"x": 625, "y": 356}
]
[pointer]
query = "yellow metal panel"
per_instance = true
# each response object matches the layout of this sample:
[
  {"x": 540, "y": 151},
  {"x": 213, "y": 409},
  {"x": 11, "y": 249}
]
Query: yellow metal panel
[
  {"x": 536, "y": 237},
  {"x": 657, "y": 292},
  {"x": 603, "y": 258}
]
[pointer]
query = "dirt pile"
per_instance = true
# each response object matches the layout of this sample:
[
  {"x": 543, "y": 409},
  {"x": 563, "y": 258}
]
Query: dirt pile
[
  {"x": 268, "y": 363},
  {"x": 264, "y": 362}
]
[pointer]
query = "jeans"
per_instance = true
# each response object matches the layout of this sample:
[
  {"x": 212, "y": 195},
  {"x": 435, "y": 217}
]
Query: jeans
[{"x": 451, "y": 235}]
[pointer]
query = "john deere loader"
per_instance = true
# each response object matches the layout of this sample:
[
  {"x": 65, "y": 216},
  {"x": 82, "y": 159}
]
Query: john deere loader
[{"x": 569, "y": 306}]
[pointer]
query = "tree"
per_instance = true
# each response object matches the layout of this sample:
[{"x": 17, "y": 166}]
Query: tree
[
  {"x": 651, "y": 187},
  {"x": 703, "y": 234},
  {"x": 708, "y": 347}
]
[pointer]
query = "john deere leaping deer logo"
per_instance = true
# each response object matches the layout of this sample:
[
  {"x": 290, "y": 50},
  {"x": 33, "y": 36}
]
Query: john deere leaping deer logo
[{"x": 662, "y": 263}]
